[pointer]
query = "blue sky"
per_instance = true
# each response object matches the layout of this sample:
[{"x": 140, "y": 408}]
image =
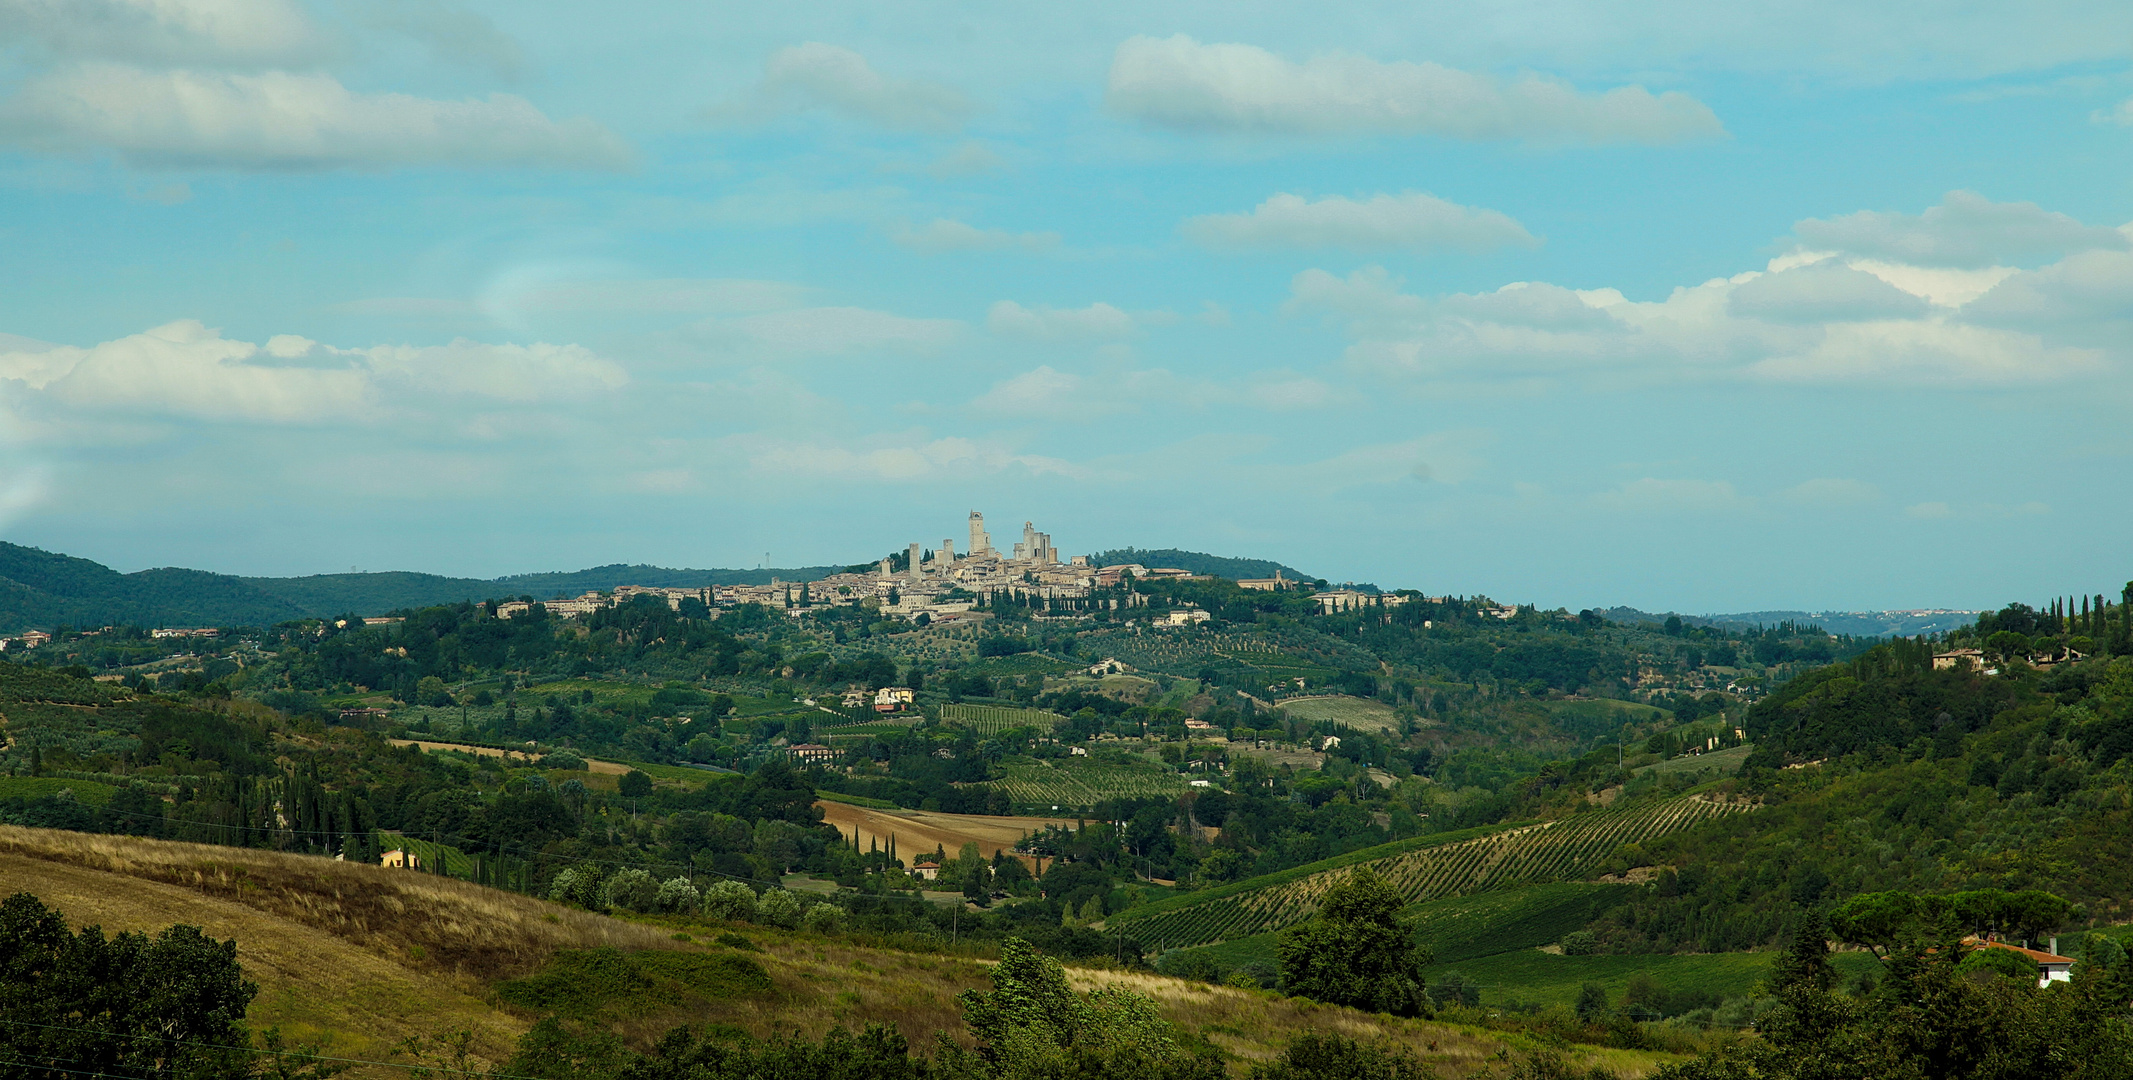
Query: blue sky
[{"x": 1691, "y": 306}]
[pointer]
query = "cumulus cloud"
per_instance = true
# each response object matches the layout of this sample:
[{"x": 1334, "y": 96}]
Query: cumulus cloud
[
  {"x": 901, "y": 457},
  {"x": 243, "y": 32},
  {"x": 1965, "y": 230},
  {"x": 279, "y": 120},
  {"x": 1822, "y": 292},
  {"x": 829, "y": 78},
  {"x": 1811, "y": 318},
  {"x": 944, "y": 236},
  {"x": 1098, "y": 321},
  {"x": 1180, "y": 83},
  {"x": 1412, "y": 220},
  {"x": 185, "y": 369}
]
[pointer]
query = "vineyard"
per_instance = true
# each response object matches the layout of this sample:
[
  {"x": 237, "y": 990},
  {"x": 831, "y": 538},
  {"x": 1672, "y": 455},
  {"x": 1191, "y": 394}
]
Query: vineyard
[
  {"x": 1040, "y": 785},
  {"x": 1279, "y": 653},
  {"x": 1362, "y": 714},
  {"x": 1564, "y": 850},
  {"x": 994, "y": 719},
  {"x": 865, "y": 728}
]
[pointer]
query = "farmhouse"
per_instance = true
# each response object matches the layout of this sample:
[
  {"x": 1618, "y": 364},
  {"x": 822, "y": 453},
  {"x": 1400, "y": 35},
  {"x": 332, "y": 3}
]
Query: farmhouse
[
  {"x": 927, "y": 869},
  {"x": 2051, "y": 967},
  {"x": 400, "y": 859}
]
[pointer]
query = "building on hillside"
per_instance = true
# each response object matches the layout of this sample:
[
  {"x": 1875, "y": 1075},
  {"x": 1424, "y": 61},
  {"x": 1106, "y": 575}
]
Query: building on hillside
[
  {"x": 2051, "y": 967},
  {"x": 811, "y": 753},
  {"x": 400, "y": 859},
  {"x": 382, "y": 620},
  {"x": 1333, "y": 600},
  {"x": 854, "y": 699},
  {"x": 1187, "y": 617},
  {"x": 177, "y": 632},
  {"x": 1954, "y": 658},
  {"x": 926, "y": 869},
  {"x": 1266, "y": 584},
  {"x": 893, "y": 698}
]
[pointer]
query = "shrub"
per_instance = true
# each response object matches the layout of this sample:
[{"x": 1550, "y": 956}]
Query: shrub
[
  {"x": 823, "y": 918},
  {"x": 778, "y": 908},
  {"x": 730, "y": 900},
  {"x": 631, "y": 890},
  {"x": 576, "y": 885},
  {"x": 562, "y": 759},
  {"x": 1580, "y": 943},
  {"x": 676, "y": 894}
]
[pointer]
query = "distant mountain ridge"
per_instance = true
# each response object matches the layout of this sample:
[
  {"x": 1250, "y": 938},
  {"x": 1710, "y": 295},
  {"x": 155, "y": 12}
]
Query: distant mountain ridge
[
  {"x": 43, "y": 589},
  {"x": 1854, "y": 623}
]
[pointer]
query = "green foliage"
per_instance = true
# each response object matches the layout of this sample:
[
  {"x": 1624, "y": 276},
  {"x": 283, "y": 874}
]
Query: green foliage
[
  {"x": 125, "y": 1006},
  {"x": 1316, "y": 1056},
  {"x": 1032, "y": 1024},
  {"x": 600, "y": 983},
  {"x": 635, "y": 784},
  {"x": 1357, "y": 951}
]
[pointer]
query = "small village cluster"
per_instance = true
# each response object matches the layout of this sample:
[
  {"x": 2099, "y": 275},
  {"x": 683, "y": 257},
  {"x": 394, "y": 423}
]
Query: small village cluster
[{"x": 937, "y": 583}]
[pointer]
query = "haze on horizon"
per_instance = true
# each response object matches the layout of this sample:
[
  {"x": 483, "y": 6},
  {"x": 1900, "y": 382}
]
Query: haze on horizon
[{"x": 1769, "y": 306}]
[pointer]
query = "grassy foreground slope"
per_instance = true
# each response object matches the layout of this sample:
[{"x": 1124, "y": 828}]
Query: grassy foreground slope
[{"x": 360, "y": 958}]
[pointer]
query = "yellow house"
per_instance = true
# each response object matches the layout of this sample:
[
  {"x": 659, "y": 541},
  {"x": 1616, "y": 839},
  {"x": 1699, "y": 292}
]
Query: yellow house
[{"x": 401, "y": 858}]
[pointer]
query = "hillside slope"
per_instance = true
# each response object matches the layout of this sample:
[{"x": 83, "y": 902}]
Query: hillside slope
[{"x": 362, "y": 958}]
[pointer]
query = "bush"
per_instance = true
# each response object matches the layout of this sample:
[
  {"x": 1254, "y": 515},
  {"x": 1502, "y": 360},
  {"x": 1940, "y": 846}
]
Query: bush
[
  {"x": 676, "y": 894},
  {"x": 777, "y": 907},
  {"x": 562, "y": 759},
  {"x": 631, "y": 890},
  {"x": 823, "y": 918},
  {"x": 730, "y": 900},
  {"x": 1580, "y": 943},
  {"x": 576, "y": 885}
]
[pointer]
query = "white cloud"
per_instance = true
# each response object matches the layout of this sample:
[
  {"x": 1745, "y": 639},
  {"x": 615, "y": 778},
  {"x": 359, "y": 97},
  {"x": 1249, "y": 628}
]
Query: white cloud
[
  {"x": 647, "y": 296},
  {"x": 1411, "y": 220},
  {"x": 942, "y": 235},
  {"x": 830, "y": 330},
  {"x": 1822, "y": 292},
  {"x": 906, "y": 457},
  {"x": 451, "y": 32},
  {"x": 185, "y": 369},
  {"x": 1928, "y": 510},
  {"x": 279, "y": 120},
  {"x": 1813, "y": 318},
  {"x": 1098, "y": 321},
  {"x": 837, "y": 80},
  {"x": 180, "y": 31},
  {"x": 1180, "y": 83},
  {"x": 1965, "y": 230}
]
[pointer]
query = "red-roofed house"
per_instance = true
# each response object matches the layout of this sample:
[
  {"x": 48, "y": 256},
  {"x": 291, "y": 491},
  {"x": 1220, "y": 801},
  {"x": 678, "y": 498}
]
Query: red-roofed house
[{"x": 2051, "y": 967}]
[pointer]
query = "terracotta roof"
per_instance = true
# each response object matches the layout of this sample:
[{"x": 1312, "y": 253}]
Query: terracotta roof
[{"x": 2037, "y": 955}]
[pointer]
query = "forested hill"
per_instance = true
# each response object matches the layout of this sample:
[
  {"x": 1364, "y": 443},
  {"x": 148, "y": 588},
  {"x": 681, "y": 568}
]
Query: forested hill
[
  {"x": 1198, "y": 563},
  {"x": 43, "y": 589}
]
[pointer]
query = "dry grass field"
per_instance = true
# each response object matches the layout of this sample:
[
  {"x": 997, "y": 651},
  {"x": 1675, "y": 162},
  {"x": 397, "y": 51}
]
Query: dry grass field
[
  {"x": 919, "y": 830},
  {"x": 361, "y": 957}
]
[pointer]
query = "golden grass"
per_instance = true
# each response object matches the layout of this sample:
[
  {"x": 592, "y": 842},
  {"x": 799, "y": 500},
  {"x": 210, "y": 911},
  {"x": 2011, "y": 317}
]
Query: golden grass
[{"x": 363, "y": 957}]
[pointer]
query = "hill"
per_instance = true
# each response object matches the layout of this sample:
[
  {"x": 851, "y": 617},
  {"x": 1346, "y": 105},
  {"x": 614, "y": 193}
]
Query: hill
[
  {"x": 1199, "y": 563},
  {"x": 1852, "y": 623},
  {"x": 41, "y": 590},
  {"x": 359, "y": 959}
]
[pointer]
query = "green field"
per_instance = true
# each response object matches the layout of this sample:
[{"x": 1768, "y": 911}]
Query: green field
[
  {"x": 1362, "y": 714},
  {"x": 1072, "y": 785},
  {"x": 1567, "y": 849},
  {"x": 1607, "y": 711},
  {"x": 994, "y": 719},
  {"x": 1725, "y": 762}
]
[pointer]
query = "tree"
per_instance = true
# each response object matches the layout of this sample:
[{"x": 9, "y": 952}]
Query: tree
[
  {"x": 126, "y": 1006},
  {"x": 1032, "y": 1024},
  {"x": 634, "y": 785},
  {"x": 1313, "y": 1056},
  {"x": 1356, "y": 951}
]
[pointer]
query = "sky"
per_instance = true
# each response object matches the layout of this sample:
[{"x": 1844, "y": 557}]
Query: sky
[{"x": 1687, "y": 306}]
